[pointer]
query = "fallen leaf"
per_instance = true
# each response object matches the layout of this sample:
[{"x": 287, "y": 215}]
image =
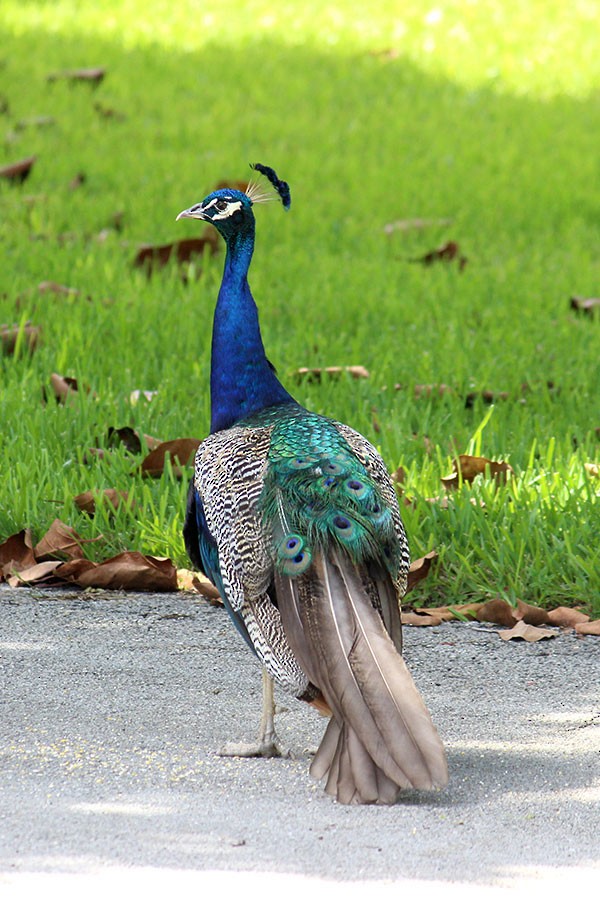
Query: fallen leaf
[
  {"x": 87, "y": 501},
  {"x": 59, "y": 541},
  {"x": 524, "y": 632},
  {"x": 469, "y": 467},
  {"x": 64, "y": 387},
  {"x": 419, "y": 569},
  {"x": 125, "y": 436},
  {"x": 92, "y": 75},
  {"x": 18, "y": 171},
  {"x": 446, "y": 253},
  {"x": 333, "y": 372},
  {"x": 77, "y": 180},
  {"x": 52, "y": 287},
  {"x": 414, "y": 224},
  {"x": 199, "y": 583},
  {"x": 35, "y": 122},
  {"x": 452, "y": 613},
  {"x": 93, "y": 453},
  {"x": 153, "y": 256},
  {"x": 11, "y": 336},
  {"x": 428, "y": 390},
  {"x": 593, "y": 469},
  {"x": 589, "y": 627},
  {"x": 107, "y": 112},
  {"x": 181, "y": 451},
  {"x": 399, "y": 476},
  {"x": 415, "y": 618},
  {"x": 136, "y": 396},
  {"x": 39, "y": 573},
  {"x": 16, "y": 553},
  {"x": 587, "y": 305},
  {"x": 497, "y": 611},
  {"x": 487, "y": 397},
  {"x": 444, "y": 501},
  {"x": 567, "y": 617},
  {"x": 531, "y": 615},
  {"x": 129, "y": 571}
]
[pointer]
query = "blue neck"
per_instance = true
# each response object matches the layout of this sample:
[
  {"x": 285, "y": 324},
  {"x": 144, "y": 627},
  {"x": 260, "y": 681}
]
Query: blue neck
[{"x": 241, "y": 380}]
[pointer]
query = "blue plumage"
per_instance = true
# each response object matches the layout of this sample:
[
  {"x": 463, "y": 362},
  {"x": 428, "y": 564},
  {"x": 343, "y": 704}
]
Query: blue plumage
[{"x": 294, "y": 518}]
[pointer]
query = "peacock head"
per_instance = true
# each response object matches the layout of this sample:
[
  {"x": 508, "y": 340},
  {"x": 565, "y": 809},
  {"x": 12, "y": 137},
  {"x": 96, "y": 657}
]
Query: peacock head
[
  {"x": 230, "y": 210},
  {"x": 227, "y": 209}
]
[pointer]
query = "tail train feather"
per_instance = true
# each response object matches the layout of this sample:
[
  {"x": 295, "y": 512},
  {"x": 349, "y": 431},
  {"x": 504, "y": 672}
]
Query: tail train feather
[{"x": 381, "y": 737}]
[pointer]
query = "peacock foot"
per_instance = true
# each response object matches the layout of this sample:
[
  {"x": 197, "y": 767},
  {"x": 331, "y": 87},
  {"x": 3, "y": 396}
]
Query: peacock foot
[{"x": 267, "y": 748}]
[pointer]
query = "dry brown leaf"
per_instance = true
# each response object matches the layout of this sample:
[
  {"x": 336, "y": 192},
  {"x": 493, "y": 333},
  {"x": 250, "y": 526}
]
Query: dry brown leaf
[
  {"x": 497, "y": 611},
  {"x": 93, "y": 75},
  {"x": 87, "y": 501},
  {"x": 486, "y": 396},
  {"x": 593, "y": 469},
  {"x": 524, "y": 632},
  {"x": 419, "y": 569},
  {"x": 125, "y": 436},
  {"x": 589, "y": 627},
  {"x": 78, "y": 179},
  {"x": 180, "y": 451},
  {"x": 18, "y": 171},
  {"x": 39, "y": 573},
  {"x": 64, "y": 387},
  {"x": 414, "y": 224},
  {"x": 469, "y": 467},
  {"x": 52, "y": 287},
  {"x": 92, "y": 454},
  {"x": 399, "y": 476},
  {"x": 333, "y": 372},
  {"x": 59, "y": 541},
  {"x": 415, "y": 618},
  {"x": 587, "y": 305},
  {"x": 531, "y": 615},
  {"x": 107, "y": 112},
  {"x": 199, "y": 584},
  {"x": 428, "y": 390},
  {"x": 16, "y": 553},
  {"x": 448, "y": 613},
  {"x": 446, "y": 253},
  {"x": 35, "y": 122},
  {"x": 129, "y": 571},
  {"x": 567, "y": 617},
  {"x": 151, "y": 256},
  {"x": 10, "y": 335}
]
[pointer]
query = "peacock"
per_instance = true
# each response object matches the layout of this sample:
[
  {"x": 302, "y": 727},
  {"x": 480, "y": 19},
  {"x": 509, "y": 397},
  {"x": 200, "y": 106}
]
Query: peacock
[{"x": 294, "y": 518}]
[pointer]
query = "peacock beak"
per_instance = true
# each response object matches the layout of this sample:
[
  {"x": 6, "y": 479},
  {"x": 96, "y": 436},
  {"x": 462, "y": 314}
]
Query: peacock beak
[{"x": 194, "y": 212}]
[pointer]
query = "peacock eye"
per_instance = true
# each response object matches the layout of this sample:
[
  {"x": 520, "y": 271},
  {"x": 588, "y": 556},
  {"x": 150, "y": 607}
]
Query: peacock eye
[{"x": 221, "y": 205}]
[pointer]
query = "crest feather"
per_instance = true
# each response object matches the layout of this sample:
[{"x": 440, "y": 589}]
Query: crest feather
[{"x": 282, "y": 187}]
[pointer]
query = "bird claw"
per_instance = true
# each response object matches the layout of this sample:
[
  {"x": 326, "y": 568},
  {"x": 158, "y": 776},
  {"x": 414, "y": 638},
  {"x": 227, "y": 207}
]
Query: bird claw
[{"x": 267, "y": 748}]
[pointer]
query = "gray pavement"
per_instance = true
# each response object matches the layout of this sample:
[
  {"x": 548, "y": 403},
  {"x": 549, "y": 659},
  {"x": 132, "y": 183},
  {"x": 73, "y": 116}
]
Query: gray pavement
[{"x": 113, "y": 707}]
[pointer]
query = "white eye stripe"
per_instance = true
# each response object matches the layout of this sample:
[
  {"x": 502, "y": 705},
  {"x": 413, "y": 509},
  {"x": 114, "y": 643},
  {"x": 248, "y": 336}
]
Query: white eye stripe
[{"x": 232, "y": 207}]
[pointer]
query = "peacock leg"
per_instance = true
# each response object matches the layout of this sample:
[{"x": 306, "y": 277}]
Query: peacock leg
[{"x": 267, "y": 744}]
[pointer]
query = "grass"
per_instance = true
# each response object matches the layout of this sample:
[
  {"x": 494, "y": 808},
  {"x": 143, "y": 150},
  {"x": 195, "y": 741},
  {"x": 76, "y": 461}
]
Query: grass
[{"x": 485, "y": 114}]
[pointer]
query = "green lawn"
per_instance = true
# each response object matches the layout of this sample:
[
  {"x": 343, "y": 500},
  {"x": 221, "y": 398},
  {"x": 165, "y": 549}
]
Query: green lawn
[{"x": 484, "y": 114}]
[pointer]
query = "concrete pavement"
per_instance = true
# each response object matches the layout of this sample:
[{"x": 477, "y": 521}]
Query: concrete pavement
[{"x": 113, "y": 707}]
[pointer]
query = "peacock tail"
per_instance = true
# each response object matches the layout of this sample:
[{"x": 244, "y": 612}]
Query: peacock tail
[{"x": 295, "y": 519}]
